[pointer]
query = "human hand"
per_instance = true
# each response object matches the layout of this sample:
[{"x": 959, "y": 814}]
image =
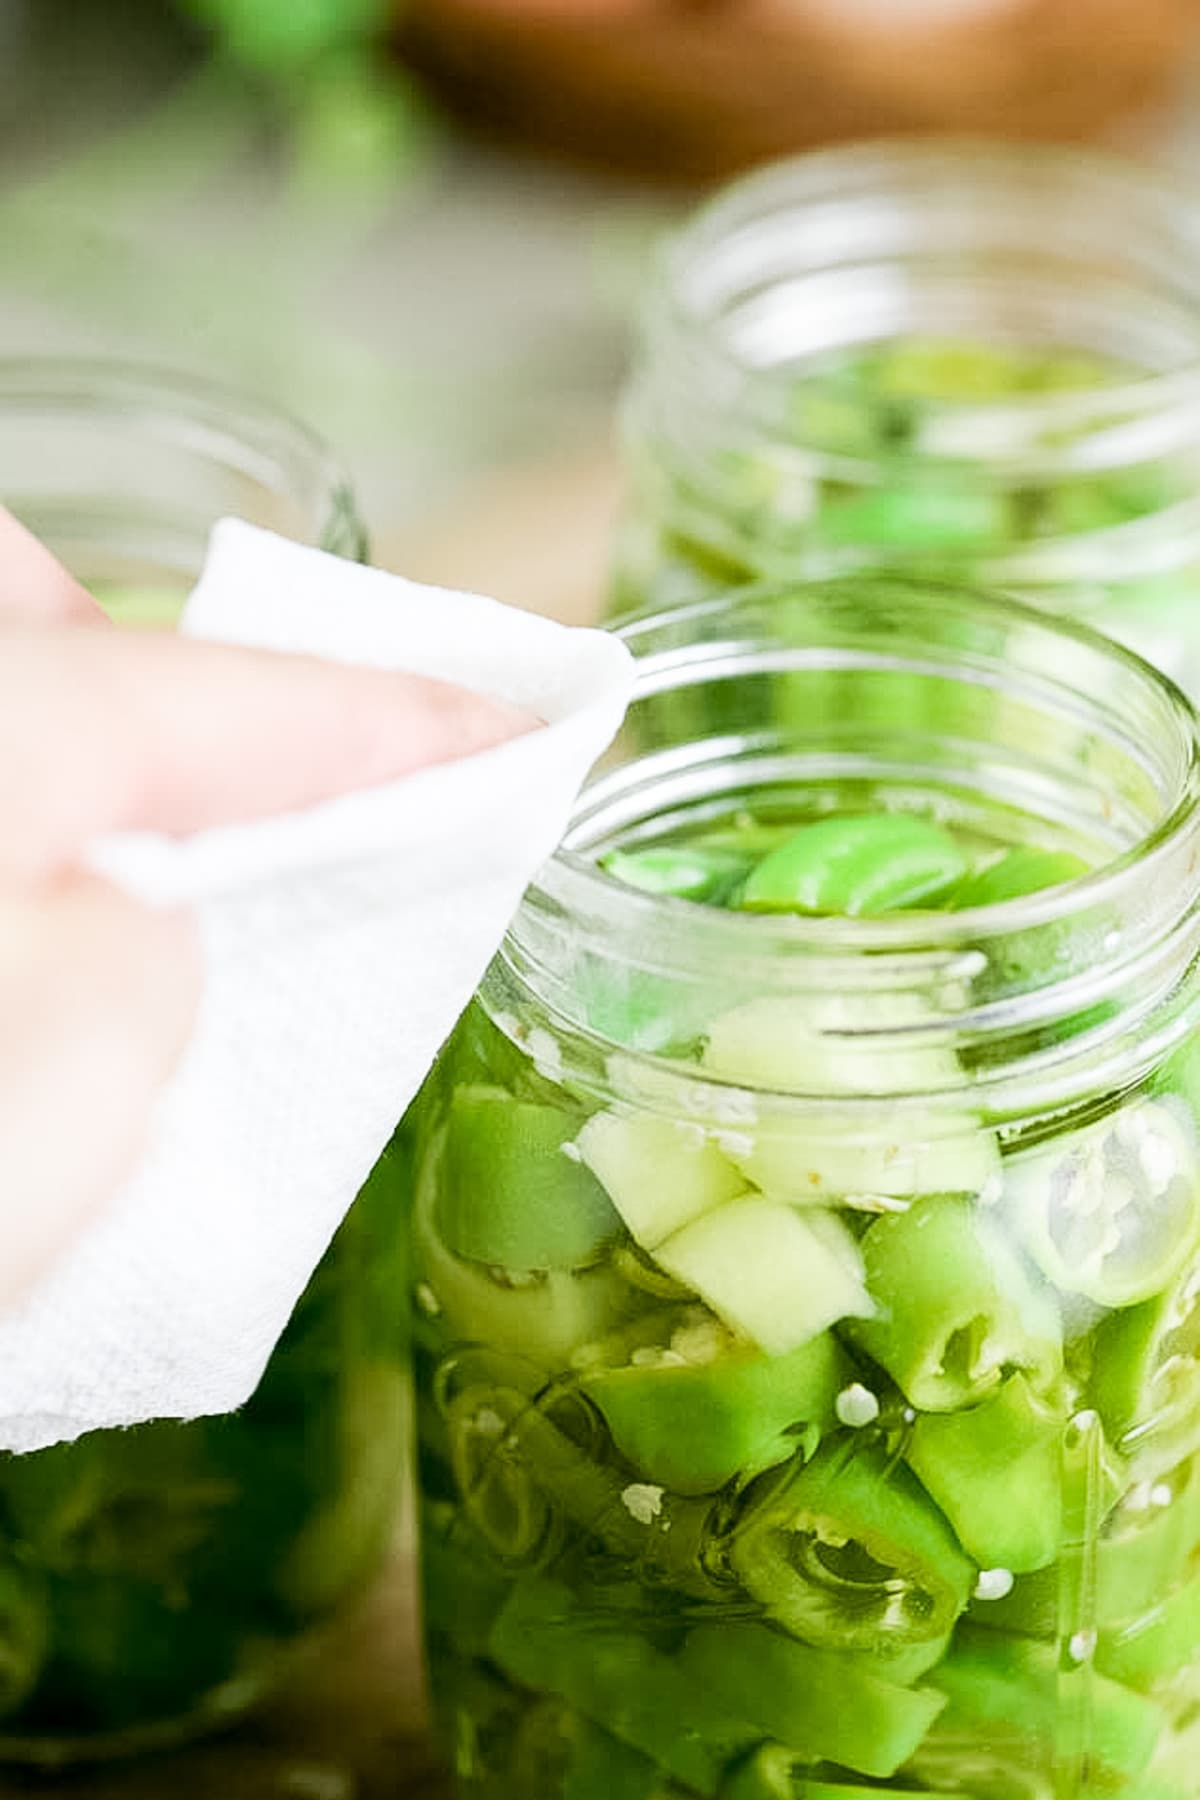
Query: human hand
[{"x": 103, "y": 730}]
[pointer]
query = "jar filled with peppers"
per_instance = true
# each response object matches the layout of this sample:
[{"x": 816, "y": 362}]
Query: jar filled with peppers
[
  {"x": 156, "y": 1582},
  {"x": 806, "y": 1233},
  {"x": 974, "y": 362}
]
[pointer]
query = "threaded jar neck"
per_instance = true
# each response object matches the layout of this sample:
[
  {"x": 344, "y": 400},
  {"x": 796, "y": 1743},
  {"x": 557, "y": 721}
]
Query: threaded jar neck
[{"x": 952, "y": 701}]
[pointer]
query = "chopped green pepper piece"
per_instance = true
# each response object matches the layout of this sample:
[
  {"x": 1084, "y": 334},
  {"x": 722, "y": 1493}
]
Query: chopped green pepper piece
[
  {"x": 857, "y": 867},
  {"x": 1005, "y": 1689},
  {"x": 830, "y": 1152},
  {"x": 776, "y": 1275},
  {"x": 1112, "y": 1211},
  {"x": 1162, "y": 1642},
  {"x": 823, "y": 1706},
  {"x": 539, "y": 1316},
  {"x": 850, "y": 1552},
  {"x": 660, "y": 1174},
  {"x": 956, "y": 1311},
  {"x": 995, "y": 1470},
  {"x": 517, "y": 1472},
  {"x": 1026, "y": 869},
  {"x": 514, "y": 1192},
  {"x": 1145, "y": 1543},
  {"x": 706, "y": 1408},
  {"x": 686, "y": 871},
  {"x": 545, "y": 1639},
  {"x": 1146, "y": 1373}
]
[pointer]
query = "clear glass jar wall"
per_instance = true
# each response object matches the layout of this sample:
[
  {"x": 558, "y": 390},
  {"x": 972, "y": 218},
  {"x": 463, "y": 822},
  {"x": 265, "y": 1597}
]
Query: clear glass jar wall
[
  {"x": 805, "y": 1307},
  {"x": 124, "y": 469},
  {"x": 962, "y": 360},
  {"x": 158, "y": 1581}
]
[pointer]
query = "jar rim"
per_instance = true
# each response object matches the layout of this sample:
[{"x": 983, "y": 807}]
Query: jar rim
[
  {"x": 1141, "y": 412},
  {"x": 249, "y": 431},
  {"x": 574, "y": 873},
  {"x": 1150, "y": 888}
]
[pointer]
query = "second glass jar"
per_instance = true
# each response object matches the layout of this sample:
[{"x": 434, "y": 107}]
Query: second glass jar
[
  {"x": 955, "y": 359},
  {"x": 159, "y": 1581}
]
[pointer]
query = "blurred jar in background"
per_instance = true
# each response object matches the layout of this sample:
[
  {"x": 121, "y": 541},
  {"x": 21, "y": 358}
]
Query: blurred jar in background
[
  {"x": 157, "y": 1582},
  {"x": 703, "y": 87},
  {"x": 953, "y": 360},
  {"x": 123, "y": 470}
]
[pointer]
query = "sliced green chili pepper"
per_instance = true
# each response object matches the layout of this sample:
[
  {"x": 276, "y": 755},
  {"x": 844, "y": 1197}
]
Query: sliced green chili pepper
[
  {"x": 777, "y": 1275},
  {"x": 1145, "y": 1543},
  {"x": 518, "y": 1473},
  {"x": 514, "y": 1192},
  {"x": 1162, "y": 1642},
  {"x": 850, "y": 1552},
  {"x": 545, "y": 1639},
  {"x": 1140, "y": 1552},
  {"x": 995, "y": 1470},
  {"x": 857, "y": 867},
  {"x": 542, "y": 1316},
  {"x": 686, "y": 871},
  {"x": 660, "y": 1174},
  {"x": 1005, "y": 1690},
  {"x": 955, "y": 1310},
  {"x": 706, "y": 1408},
  {"x": 1111, "y": 1211},
  {"x": 1023, "y": 870},
  {"x": 823, "y": 1706},
  {"x": 1145, "y": 1380},
  {"x": 882, "y": 1150}
]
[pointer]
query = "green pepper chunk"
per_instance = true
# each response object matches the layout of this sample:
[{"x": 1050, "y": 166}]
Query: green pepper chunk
[
  {"x": 707, "y": 1408},
  {"x": 515, "y": 1193},
  {"x": 1140, "y": 1553},
  {"x": 995, "y": 1471},
  {"x": 1026, "y": 869},
  {"x": 616, "y": 1678},
  {"x": 684, "y": 871},
  {"x": 1005, "y": 1691},
  {"x": 1111, "y": 1211},
  {"x": 850, "y": 1552},
  {"x": 1145, "y": 1543},
  {"x": 1146, "y": 1373},
  {"x": 857, "y": 867},
  {"x": 1162, "y": 1642},
  {"x": 519, "y": 1474},
  {"x": 538, "y": 1315},
  {"x": 823, "y": 1706},
  {"x": 956, "y": 1311}
]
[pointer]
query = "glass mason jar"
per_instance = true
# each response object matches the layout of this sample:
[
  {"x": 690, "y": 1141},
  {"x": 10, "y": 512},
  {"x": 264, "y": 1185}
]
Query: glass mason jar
[
  {"x": 978, "y": 362},
  {"x": 156, "y": 1581},
  {"x": 123, "y": 469},
  {"x": 805, "y": 1307}
]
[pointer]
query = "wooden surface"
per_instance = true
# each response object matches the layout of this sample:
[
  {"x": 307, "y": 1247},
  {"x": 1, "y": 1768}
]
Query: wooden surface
[{"x": 351, "y": 1726}]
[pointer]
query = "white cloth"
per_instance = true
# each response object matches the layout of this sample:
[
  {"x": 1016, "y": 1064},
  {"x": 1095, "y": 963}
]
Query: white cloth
[{"x": 341, "y": 943}]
